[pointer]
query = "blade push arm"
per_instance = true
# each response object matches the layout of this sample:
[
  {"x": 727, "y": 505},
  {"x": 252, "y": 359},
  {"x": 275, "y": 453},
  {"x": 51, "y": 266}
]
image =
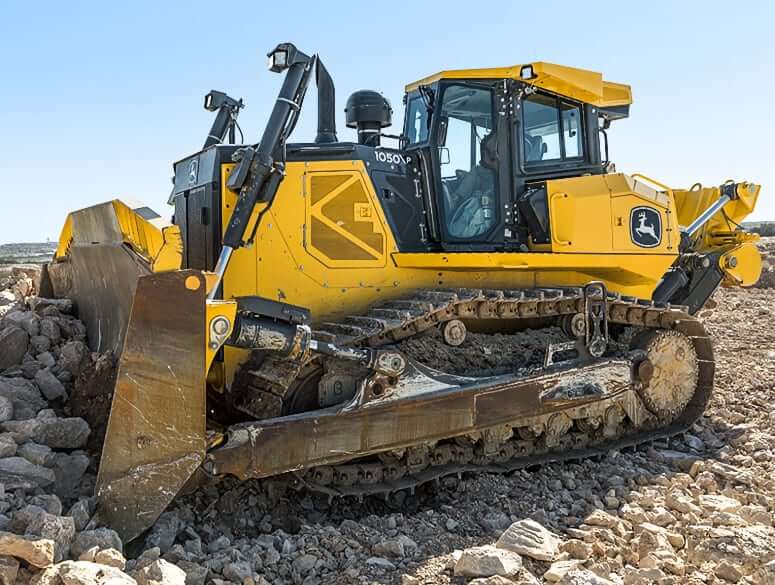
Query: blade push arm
[{"x": 260, "y": 168}]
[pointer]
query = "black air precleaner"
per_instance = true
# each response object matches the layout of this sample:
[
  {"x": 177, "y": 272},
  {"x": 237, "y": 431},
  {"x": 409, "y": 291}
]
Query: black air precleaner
[{"x": 368, "y": 112}]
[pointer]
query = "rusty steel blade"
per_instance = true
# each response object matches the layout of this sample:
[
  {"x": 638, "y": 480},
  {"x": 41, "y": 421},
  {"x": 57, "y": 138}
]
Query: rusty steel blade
[{"x": 156, "y": 431}]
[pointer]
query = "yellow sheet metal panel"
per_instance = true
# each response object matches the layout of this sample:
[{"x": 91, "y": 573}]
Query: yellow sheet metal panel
[
  {"x": 580, "y": 214},
  {"x": 579, "y": 84},
  {"x": 723, "y": 225},
  {"x": 343, "y": 228},
  {"x": 742, "y": 265}
]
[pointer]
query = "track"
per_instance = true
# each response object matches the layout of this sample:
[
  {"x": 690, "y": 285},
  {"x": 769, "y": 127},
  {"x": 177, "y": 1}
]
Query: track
[{"x": 580, "y": 432}]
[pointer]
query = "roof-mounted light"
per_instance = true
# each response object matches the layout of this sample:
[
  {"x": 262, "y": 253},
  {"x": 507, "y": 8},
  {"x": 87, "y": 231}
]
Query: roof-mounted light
[{"x": 526, "y": 72}]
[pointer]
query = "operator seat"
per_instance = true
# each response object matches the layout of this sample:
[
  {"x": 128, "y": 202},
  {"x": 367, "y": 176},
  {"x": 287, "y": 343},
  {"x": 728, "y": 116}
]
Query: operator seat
[
  {"x": 472, "y": 209},
  {"x": 535, "y": 148}
]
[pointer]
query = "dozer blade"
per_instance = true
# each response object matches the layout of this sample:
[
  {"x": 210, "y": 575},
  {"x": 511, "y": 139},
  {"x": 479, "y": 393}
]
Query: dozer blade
[{"x": 156, "y": 431}]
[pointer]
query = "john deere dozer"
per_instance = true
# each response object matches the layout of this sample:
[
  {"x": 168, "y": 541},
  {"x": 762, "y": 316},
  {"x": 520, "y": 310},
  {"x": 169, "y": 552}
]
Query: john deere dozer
[{"x": 269, "y": 328}]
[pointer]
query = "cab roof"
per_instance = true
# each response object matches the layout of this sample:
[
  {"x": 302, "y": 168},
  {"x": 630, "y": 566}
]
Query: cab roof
[{"x": 578, "y": 84}]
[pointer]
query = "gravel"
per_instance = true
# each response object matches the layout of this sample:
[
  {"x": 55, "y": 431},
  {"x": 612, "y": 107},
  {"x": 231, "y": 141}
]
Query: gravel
[{"x": 697, "y": 509}]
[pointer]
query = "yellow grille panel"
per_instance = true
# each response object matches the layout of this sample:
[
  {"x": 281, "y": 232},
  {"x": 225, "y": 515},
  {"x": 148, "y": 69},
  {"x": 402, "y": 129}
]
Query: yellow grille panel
[{"x": 343, "y": 225}]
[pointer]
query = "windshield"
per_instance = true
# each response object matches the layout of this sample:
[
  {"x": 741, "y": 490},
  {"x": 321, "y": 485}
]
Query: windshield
[{"x": 417, "y": 119}]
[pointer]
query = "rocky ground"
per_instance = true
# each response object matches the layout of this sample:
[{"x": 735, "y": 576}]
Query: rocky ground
[{"x": 696, "y": 510}]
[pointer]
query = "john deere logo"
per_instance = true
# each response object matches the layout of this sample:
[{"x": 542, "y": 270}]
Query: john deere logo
[
  {"x": 645, "y": 227},
  {"x": 193, "y": 171}
]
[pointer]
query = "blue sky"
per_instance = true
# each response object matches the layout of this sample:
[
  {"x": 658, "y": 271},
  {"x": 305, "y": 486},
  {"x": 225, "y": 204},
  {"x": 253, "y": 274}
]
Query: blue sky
[{"x": 101, "y": 98}]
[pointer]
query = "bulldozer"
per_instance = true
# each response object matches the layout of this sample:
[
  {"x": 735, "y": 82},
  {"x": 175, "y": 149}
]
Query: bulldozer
[{"x": 267, "y": 329}]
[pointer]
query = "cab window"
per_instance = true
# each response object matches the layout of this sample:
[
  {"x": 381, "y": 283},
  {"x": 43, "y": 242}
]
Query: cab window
[
  {"x": 417, "y": 120},
  {"x": 468, "y": 161},
  {"x": 552, "y": 129}
]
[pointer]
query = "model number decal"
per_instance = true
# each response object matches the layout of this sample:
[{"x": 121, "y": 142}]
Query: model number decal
[{"x": 392, "y": 158}]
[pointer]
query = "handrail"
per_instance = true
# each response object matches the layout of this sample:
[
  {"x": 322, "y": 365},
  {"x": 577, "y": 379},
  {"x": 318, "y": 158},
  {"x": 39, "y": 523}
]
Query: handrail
[{"x": 653, "y": 182}]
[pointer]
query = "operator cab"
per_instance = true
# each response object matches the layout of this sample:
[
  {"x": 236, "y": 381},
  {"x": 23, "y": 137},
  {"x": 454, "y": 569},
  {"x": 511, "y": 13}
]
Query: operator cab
[{"x": 491, "y": 138}]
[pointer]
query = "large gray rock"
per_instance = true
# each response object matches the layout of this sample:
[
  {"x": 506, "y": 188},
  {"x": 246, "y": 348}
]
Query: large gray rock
[
  {"x": 19, "y": 471},
  {"x": 13, "y": 346},
  {"x": 80, "y": 512},
  {"x": 38, "y": 304},
  {"x": 49, "y": 385},
  {"x": 50, "y": 328},
  {"x": 60, "y": 529},
  {"x": 74, "y": 357},
  {"x": 24, "y": 395},
  {"x": 24, "y": 320},
  {"x": 164, "y": 532},
  {"x": 62, "y": 433},
  {"x": 7, "y": 445},
  {"x": 100, "y": 537},
  {"x": 40, "y": 344},
  {"x": 529, "y": 538},
  {"x": 6, "y": 409},
  {"x": 68, "y": 472},
  {"x": 36, "y": 453},
  {"x": 485, "y": 561},
  {"x": 748, "y": 547}
]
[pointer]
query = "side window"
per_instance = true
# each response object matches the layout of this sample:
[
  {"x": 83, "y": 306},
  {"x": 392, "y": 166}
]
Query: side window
[
  {"x": 552, "y": 129},
  {"x": 542, "y": 128},
  {"x": 416, "y": 120},
  {"x": 468, "y": 160},
  {"x": 571, "y": 130}
]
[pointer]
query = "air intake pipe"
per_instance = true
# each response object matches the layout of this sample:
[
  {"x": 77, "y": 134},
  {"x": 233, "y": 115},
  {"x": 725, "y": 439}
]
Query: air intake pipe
[{"x": 326, "y": 105}]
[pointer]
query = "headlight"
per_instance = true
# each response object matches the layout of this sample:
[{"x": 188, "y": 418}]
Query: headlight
[
  {"x": 278, "y": 60},
  {"x": 526, "y": 72}
]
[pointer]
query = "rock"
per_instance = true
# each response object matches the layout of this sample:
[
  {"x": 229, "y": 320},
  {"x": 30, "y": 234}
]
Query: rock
[
  {"x": 488, "y": 560},
  {"x": 755, "y": 515},
  {"x": 195, "y": 573},
  {"x": 495, "y": 522},
  {"x": 583, "y": 577},
  {"x": 68, "y": 471},
  {"x": 643, "y": 576},
  {"x": 732, "y": 473},
  {"x": 716, "y": 503},
  {"x": 239, "y": 572},
  {"x": 681, "y": 503},
  {"x": 7, "y": 445},
  {"x": 765, "y": 575},
  {"x": 160, "y": 572},
  {"x": 38, "y": 304},
  {"x": 393, "y": 547},
  {"x": 6, "y": 409},
  {"x": 728, "y": 572},
  {"x": 577, "y": 549},
  {"x": 24, "y": 395},
  {"x": 100, "y": 537},
  {"x": 22, "y": 518},
  {"x": 381, "y": 563},
  {"x": 88, "y": 555},
  {"x": 558, "y": 569},
  {"x": 220, "y": 543},
  {"x": 50, "y": 328},
  {"x": 74, "y": 357},
  {"x": 37, "y": 454},
  {"x": 63, "y": 433},
  {"x": 164, "y": 532},
  {"x": 87, "y": 573},
  {"x": 60, "y": 529},
  {"x": 13, "y": 346},
  {"x": 49, "y": 385},
  {"x": 494, "y": 580},
  {"x": 9, "y": 568},
  {"x": 529, "y": 538},
  {"x": 38, "y": 552},
  {"x": 17, "y": 470},
  {"x": 744, "y": 547},
  {"x": 303, "y": 564},
  {"x": 40, "y": 344},
  {"x": 80, "y": 512},
  {"x": 110, "y": 557},
  {"x": 45, "y": 359}
]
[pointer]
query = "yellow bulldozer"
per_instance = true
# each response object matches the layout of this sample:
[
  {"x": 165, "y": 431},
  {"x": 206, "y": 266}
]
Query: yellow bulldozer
[{"x": 273, "y": 326}]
